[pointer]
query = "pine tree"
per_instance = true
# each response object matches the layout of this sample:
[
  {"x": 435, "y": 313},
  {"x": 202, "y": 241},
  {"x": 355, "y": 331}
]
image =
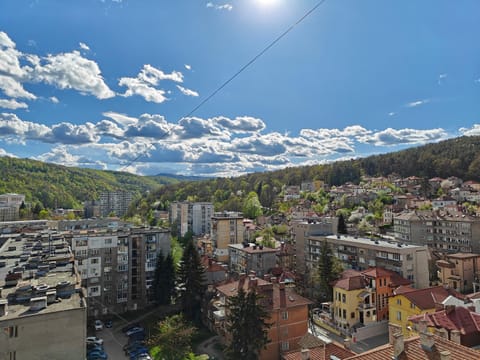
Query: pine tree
[
  {"x": 341, "y": 227},
  {"x": 191, "y": 279},
  {"x": 247, "y": 323},
  {"x": 329, "y": 267},
  {"x": 164, "y": 280}
]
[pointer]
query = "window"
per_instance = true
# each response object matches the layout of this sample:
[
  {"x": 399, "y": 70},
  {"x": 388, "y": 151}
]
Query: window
[
  {"x": 412, "y": 306},
  {"x": 344, "y": 298},
  {"x": 108, "y": 241},
  {"x": 344, "y": 314},
  {"x": 12, "y": 355},
  {"x": 352, "y": 315},
  {"x": 93, "y": 261},
  {"x": 285, "y": 315},
  {"x": 11, "y": 331},
  {"x": 399, "y": 315},
  {"x": 285, "y": 345},
  {"x": 399, "y": 301}
]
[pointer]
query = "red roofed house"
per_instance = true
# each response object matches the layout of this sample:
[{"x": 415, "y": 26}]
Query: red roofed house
[
  {"x": 313, "y": 348},
  {"x": 288, "y": 313},
  {"x": 456, "y": 323}
]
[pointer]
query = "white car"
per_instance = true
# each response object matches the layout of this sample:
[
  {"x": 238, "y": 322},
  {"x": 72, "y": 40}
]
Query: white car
[
  {"x": 94, "y": 340},
  {"x": 98, "y": 325}
]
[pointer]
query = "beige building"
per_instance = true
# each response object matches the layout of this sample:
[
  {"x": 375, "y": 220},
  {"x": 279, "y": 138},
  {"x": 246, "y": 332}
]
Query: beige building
[
  {"x": 42, "y": 306},
  {"x": 227, "y": 229},
  {"x": 459, "y": 271},
  {"x": 245, "y": 258},
  {"x": 439, "y": 230},
  {"x": 409, "y": 261}
]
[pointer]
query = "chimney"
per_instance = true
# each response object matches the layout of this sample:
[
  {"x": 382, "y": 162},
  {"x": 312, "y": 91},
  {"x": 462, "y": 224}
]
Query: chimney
[
  {"x": 398, "y": 345},
  {"x": 455, "y": 336},
  {"x": 449, "y": 309},
  {"x": 392, "y": 330},
  {"x": 305, "y": 354},
  {"x": 445, "y": 355},
  {"x": 283, "y": 299},
  {"x": 252, "y": 283},
  {"x": 427, "y": 341},
  {"x": 241, "y": 280},
  {"x": 441, "y": 332},
  {"x": 273, "y": 279},
  {"x": 3, "y": 307},
  {"x": 347, "y": 343},
  {"x": 422, "y": 326}
]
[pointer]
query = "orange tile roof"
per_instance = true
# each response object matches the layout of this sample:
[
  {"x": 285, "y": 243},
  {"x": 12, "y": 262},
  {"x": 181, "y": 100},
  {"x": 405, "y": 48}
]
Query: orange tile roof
[
  {"x": 459, "y": 318},
  {"x": 414, "y": 351},
  {"x": 321, "y": 353},
  {"x": 351, "y": 283},
  {"x": 427, "y": 298}
]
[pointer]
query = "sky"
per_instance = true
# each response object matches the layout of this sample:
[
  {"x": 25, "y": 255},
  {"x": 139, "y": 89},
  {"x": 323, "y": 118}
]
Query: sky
[{"x": 117, "y": 84}]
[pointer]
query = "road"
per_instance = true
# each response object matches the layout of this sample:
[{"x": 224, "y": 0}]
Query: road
[{"x": 113, "y": 342}]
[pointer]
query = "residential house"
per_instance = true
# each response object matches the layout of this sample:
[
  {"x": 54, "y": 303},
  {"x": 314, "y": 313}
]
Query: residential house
[
  {"x": 245, "y": 258},
  {"x": 312, "y": 348},
  {"x": 459, "y": 271},
  {"x": 288, "y": 313},
  {"x": 407, "y": 302}
]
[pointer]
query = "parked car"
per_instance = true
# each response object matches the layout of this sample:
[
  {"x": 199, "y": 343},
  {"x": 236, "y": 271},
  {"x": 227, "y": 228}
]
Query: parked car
[
  {"x": 94, "y": 347},
  {"x": 144, "y": 357},
  {"x": 94, "y": 355},
  {"x": 108, "y": 324},
  {"x": 131, "y": 326},
  {"x": 134, "y": 331},
  {"x": 131, "y": 347},
  {"x": 138, "y": 336},
  {"x": 94, "y": 340},
  {"x": 140, "y": 351},
  {"x": 98, "y": 325}
]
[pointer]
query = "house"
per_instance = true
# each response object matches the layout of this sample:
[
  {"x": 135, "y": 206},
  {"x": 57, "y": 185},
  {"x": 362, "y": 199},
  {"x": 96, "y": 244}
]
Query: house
[
  {"x": 459, "y": 271},
  {"x": 251, "y": 257},
  {"x": 288, "y": 313},
  {"x": 408, "y": 302},
  {"x": 456, "y": 323},
  {"x": 214, "y": 272},
  {"x": 313, "y": 348}
]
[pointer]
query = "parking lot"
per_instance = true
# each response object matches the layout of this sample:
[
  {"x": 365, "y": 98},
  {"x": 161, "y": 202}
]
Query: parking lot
[{"x": 113, "y": 341}]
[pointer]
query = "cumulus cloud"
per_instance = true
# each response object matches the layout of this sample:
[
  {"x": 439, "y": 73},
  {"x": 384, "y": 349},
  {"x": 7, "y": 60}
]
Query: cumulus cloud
[
  {"x": 441, "y": 77},
  {"x": 389, "y": 137},
  {"x": 149, "y": 126},
  {"x": 146, "y": 81},
  {"x": 241, "y": 124},
  {"x": 186, "y": 91},
  {"x": 417, "y": 103},
  {"x": 194, "y": 127},
  {"x": 67, "y": 133},
  {"x": 54, "y": 99},
  {"x": 226, "y": 6},
  {"x": 188, "y": 67},
  {"x": 12, "y": 104},
  {"x": 473, "y": 131},
  {"x": 121, "y": 119},
  {"x": 13, "y": 88}
]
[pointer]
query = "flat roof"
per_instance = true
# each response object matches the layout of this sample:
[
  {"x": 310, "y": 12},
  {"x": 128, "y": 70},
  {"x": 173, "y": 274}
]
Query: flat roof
[{"x": 370, "y": 242}]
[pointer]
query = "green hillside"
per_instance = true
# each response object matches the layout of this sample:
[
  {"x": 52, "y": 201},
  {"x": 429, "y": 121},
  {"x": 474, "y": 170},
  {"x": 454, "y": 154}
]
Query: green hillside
[{"x": 59, "y": 186}]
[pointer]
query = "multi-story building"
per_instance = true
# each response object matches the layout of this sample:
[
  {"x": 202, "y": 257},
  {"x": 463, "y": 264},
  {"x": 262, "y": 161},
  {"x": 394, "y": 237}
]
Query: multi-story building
[
  {"x": 42, "y": 307},
  {"x": 194, "y": 217},
  {"x": 10, "y": 206},
  {"x": 407, "y": 302},
  {"x": 440, "y": 230},
  {"x": 409, "y": 261},
  {"x": 288, "y": 313},
  {"x": 227, "y": 228},
  {"x": 459, "y": 271},
  {"x": 91, "y": 209},
  {"x": 361, "y": 298},
  {"x": 245, "y": 258},
  {"x": 115, "y": 202},
  {"x": 117, "y": 266}
]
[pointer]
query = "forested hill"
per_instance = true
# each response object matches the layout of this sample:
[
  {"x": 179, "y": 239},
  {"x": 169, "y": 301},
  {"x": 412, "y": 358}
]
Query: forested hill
[
  {"x": 52, "y": 185},
  {"x": 455, "y": 157}
]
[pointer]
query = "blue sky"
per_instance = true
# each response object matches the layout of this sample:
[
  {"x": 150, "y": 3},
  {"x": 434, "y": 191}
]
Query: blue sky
[{"x": 100, "y": 83}]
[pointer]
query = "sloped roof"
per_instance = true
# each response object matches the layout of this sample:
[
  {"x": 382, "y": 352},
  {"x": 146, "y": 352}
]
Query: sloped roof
[
  {"x": 321, "y": 352},
  {"x": 414, "y": 351},
  {"x": 459, "y": 318},
  {"x": 351, "y": 283},
  {"x": 427, "y": 298}
]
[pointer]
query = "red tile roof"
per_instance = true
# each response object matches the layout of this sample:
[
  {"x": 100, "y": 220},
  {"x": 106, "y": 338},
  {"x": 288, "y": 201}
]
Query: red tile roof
[
  {"x": 414, "y": 351},
  {"x": 459, "y": 318},
  {"x": 321, "y": 353},
  {"x": 427, "y": 298},
  {"x": 351, "y": 283}
]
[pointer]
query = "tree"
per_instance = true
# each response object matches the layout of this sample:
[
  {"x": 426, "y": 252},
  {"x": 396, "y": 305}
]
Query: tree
[
  {"x": 247, "y": 323},
  {"x": 172, "y": 342},
  {"x": 191, "y": 280},
  {"x": 164, "y": 279},
  {"x": 341, "y": 227},
  {"x": 329, "y": 267},
  {"x": 252, "y": 207}
]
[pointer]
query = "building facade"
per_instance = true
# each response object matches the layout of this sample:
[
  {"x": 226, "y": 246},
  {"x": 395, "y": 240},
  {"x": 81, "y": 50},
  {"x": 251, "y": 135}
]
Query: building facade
[
  {"x": 115, "y": 202},
  {"x": 194, "y": 217},
  {"x": 245, "y": 258},
  {"x": 227, "y": 228},
  {"x": 459, "y": 271}
]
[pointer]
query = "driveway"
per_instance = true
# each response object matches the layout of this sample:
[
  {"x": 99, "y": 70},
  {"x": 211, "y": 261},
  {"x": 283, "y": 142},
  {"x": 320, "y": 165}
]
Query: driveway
[{"x": 113, "y": 342}]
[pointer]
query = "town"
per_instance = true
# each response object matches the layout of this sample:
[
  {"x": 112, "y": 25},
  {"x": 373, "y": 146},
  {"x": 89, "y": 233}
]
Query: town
[{"x": 387, "y": 268}]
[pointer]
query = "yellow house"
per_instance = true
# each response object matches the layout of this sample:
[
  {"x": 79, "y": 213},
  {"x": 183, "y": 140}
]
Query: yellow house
[
  {"x": 346, "y": 293},
  {"x": 408, "y": 302}
]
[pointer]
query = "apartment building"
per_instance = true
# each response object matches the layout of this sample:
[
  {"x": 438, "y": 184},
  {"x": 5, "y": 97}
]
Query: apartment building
[
  {"x": 227, "y": 228},
  {"x": 10, "y": 206},
  {"x": 245, "y": 258},
  {"x": 115, "y": 202},
  {"x": 447, "y": 231},
  {"x": 459, "y": 271},
  {"x": 117, "y": 266},
  {"x": 409, "y": 261},
  {"x": 195, "y": 217},
  {"x": 288, "y": 313},
  {"x": 42, "y": 306}
]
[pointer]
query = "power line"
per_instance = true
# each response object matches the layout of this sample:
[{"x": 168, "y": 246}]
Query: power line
[{"x": 230, "y": 79}]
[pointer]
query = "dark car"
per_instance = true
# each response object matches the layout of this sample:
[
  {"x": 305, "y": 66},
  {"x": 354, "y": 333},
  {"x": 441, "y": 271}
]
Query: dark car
[
  {"x": 108, "y": 324},
  {"x": 134, "y": 345},
  {"x": 130, "y": 326}
]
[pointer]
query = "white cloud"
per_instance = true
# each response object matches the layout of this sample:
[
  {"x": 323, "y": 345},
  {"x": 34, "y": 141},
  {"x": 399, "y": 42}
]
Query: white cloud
[
  {"x": 121, "y": 119},
  {"x": 441, "y": 77},
  {"x": 84, "y": 46},
  {"x": 188, "y": 67},
  {"x": 390, "y": 137},
  {"x": 473, "y": 131},
  {"x": 3, "y": 153},
  {"x": 187, "y": 92},
  {"x": 241, "y": 124},
  {"x": 12, "y": 104},
  {"x": 14, "y": 88},
  {"x": 54, "y": 99},
  {"x": 391, "y": 113},
  {"x": 417, "y": 103},
  {"x": 226, "y": 6},
  {"x": 72, "y": 71}
]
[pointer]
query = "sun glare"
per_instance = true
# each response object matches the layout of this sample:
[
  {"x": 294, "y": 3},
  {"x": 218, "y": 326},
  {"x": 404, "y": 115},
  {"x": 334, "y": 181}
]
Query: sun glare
[{"x": 266, "y": 2}]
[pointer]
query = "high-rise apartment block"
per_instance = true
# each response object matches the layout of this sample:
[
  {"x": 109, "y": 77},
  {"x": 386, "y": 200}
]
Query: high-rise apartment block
[
  {"x": 195, "y": 217},
  {"x": 10, "y": 206},
  {"x": 115, "y": 202},
  {"x": 227, "y": 229}
]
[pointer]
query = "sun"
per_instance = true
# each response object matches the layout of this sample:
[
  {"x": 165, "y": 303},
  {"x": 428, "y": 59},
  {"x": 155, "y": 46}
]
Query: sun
[{"x": 266, "y": 2}]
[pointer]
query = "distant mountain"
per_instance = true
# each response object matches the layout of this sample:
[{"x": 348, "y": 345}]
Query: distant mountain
[
  {"x": 173, "y": 177},
  {"x": 53, "y": 185}
]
